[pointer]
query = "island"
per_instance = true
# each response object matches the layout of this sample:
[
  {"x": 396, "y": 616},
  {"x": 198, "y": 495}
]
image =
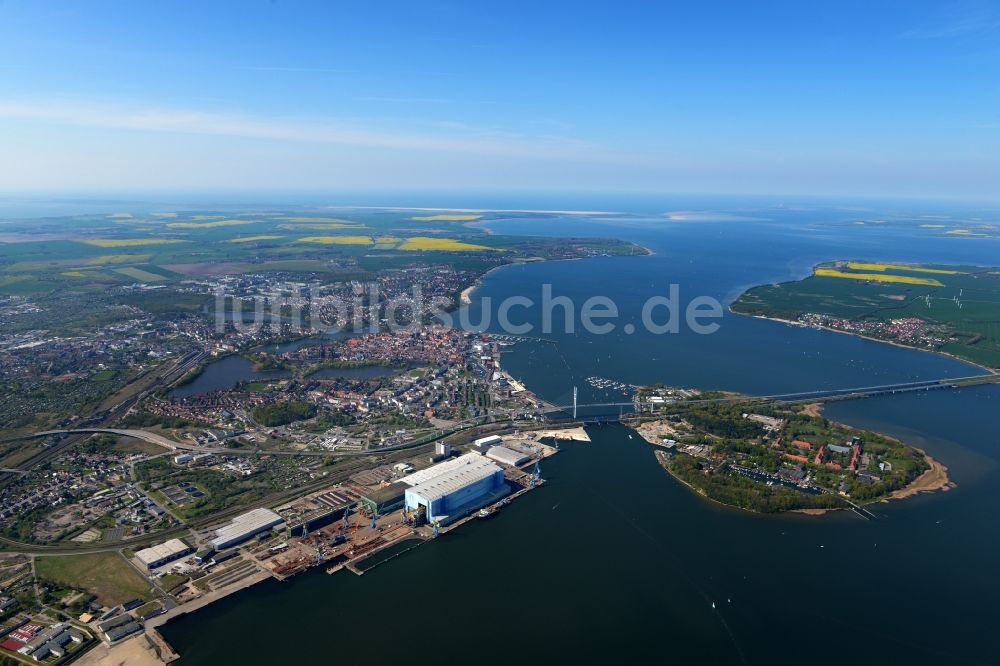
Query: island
[
  {"x": 951, "y": 310},
  {"x": 770, "y": 457}
]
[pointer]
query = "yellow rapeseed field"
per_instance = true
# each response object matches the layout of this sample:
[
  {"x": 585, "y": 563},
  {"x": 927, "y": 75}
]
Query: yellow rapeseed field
[
  {"x": 119, "y": 259},
  {"x": 440, "y": 244},
  {"x": 878, "y": 277},
  {"x": 251, "y": 239},
  {"x": 321, "y": 226},
  {"x": 447, "y": 218},
  {"x": 337, "y": 240},
  {"x": 83, "y": 274},
  {"x": 130, "y": 242},
  {"x": 861, "y": 266},
  {"x": 207, "y": 225}
]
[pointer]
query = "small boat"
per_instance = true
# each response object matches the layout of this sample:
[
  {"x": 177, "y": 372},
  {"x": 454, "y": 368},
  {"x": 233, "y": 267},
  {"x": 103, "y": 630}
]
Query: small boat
[
  {"x": 713, "y": 604},
  {"x": 485, "y": 513}
]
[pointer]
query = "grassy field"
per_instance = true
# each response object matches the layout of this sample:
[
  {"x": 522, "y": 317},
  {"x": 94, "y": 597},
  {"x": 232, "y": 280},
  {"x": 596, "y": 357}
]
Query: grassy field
[
  {"x": 964, "y": 301},
  {"x": 139, "y": 274},
  {"x": 106, "y": 575}
]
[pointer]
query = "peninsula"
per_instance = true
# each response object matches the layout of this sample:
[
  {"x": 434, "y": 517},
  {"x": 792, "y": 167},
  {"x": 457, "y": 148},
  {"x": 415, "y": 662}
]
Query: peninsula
[
  {"x": 951, "y": 310},
  {"x": 770, "y": 458}
]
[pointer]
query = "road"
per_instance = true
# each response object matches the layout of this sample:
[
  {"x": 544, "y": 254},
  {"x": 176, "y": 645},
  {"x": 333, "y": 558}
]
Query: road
[
  {"x": 174, "y": 445},
  {"x": 167, "y": 373}
]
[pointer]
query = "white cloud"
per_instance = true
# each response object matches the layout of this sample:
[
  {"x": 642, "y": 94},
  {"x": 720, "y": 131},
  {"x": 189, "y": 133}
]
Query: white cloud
[
  {"x": 958, "y": 20},
  {"x": 439, "y": 137}
]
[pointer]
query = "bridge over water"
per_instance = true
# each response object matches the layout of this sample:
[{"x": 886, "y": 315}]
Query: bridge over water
[{"x": 802, "y": 396}]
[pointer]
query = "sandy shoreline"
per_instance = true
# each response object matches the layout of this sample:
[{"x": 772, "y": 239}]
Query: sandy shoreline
[
  {"x": 932, "y": 480},
  {"x": 578, "y": 434},
  {"x": 465, "y": 298},
  {"x": 813, "y": 409}
]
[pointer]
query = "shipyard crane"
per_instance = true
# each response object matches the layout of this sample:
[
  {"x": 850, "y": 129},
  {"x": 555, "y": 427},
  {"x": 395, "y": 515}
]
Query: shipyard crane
[{"x": 536, "y": 476}]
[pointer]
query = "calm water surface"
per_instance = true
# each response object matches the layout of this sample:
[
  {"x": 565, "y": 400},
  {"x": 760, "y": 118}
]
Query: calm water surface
[{"x": 224, "y": 374}]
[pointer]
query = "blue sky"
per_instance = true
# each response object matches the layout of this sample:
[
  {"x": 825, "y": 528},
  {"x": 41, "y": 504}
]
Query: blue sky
[{"x": 869, "y": 98}]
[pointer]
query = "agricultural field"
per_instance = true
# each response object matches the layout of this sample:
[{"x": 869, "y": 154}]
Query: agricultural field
[
  {"x": 100, "y": 252},
  {"x": 423, "y": 243},
  {"x": 877, "y": 277},
  {"x": 129, "y": 242},
  {"x": 338, "y": 240},
  {"x": 254, "y": 239},
  {"x": 119, "y": 259},
  {"x": 207, "y": 225},
  {"x": 951, "y": 309}
]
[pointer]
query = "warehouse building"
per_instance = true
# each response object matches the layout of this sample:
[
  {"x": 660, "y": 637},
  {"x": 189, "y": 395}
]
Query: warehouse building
[
  {"x": 456, "y": 488},
  {"x": 157, "y": 556},
  {"x": 121, "y": 632},
  {"x": 506, "y": 456},
  {"x": 245, "y": 526},
  {"x": 384, "y": 500},
  {"x": 484, "y": 443},
  {"x": 428, "y": 473}
]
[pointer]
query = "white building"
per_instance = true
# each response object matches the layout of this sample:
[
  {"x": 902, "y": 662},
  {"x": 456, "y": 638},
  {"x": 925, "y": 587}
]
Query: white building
[
  {"x": 156, "y": 556},
  {"x": 484, "y": 443},
  {"x": 245, "y": 526},
  {"x": 506, "y": 456}
]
